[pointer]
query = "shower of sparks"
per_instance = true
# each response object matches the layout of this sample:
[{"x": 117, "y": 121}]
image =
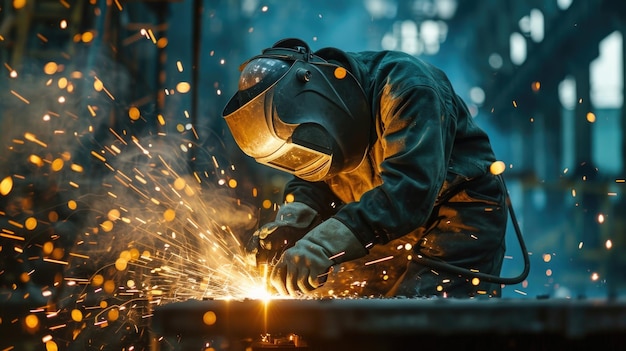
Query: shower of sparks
[
  {"x": 155, "y": 240},
  {"x": 95, "y": 233}
]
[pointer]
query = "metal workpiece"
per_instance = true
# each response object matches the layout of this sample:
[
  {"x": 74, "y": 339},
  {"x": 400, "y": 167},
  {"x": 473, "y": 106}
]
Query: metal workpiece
[{"x": 390, "y": 323}]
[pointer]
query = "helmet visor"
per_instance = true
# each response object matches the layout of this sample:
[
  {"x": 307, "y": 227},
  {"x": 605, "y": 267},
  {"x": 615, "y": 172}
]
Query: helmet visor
[{"x": 260, "y": 133}]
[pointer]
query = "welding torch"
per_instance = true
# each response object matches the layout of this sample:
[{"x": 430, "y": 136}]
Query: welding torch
[
  {"x": 270, "y": 248},
  {"x": 266, "y": 245}
]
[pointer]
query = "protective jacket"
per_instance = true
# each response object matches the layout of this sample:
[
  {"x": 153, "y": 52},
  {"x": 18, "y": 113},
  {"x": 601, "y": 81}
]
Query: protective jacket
[{"x": 423, "y": 189}]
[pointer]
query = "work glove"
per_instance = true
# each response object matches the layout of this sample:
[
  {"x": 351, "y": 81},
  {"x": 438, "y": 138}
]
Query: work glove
[
  {"x": 293, "y": 220},
  {"x": 305, "y": 266}
]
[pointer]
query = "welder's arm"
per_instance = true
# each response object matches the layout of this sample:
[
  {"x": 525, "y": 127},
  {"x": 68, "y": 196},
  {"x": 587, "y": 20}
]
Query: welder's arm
[
  {"x": 303, "y": 267},
  {"x": 293, "y": 220},
  {"x": 417, "y": 134}
]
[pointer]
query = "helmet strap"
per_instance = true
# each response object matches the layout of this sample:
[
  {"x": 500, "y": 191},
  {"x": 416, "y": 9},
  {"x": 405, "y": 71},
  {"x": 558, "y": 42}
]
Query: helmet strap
[{"x": 288, "y": 50}]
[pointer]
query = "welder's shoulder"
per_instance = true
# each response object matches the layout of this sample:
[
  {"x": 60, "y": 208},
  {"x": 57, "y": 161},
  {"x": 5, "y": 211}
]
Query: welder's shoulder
[
  {"x": 398, "y": 62},
  {"x": 400, "y": 69},
  {"x": 392, "y": 71}
]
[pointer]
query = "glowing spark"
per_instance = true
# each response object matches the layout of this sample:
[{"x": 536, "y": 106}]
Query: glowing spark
[
  {"x": 87, "y": 37},
  {"x": 195, "y": 174},
  {"x": 145, "y": 152},
  {"x": 118, "y": 136},
  {"x": 151, "y": 36},
  {"x": 134, "y": 113},
  {"x": 42, "y": 37},
  {"x": 15, "y": 224},
  {"x": 162, "y": 43},
  {"x": 79, "y": 255},
  {"x": 608, "y": 244},
  {"x": 536, "y": 85},
  {"x": 99, "y": 86},
  {"x": 375, "y": 261},
  {"x": 497, "y": 167},
  {"x": 98, "y": 156},
  {"x": 18, "y": 4},
  {"x": 20, "y": 97},
  {"x": 32, "y": 138},
  {"x": 76, "y": 168},
  {"x": 12, "y": 72},
  {"x": 600, "y": 218},
  {"x": 36, "y": 160},
  {"x": 127, "y": 178},
  {"x": 10, "y": 236},
  {"x": 55, "y": 261},
  {"x": 30, "y": 223},
  {"x": 92, "y": 112},
  {"x": 6, "y": 185},
  {"x": 209, "y": 318},
  {"x": 595, "y": 276},
  {"x": 183, "y": 87}
]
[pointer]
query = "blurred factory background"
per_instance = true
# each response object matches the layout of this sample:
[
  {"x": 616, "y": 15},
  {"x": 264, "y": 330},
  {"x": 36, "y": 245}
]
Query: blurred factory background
[{"x": 545, "y": 78}]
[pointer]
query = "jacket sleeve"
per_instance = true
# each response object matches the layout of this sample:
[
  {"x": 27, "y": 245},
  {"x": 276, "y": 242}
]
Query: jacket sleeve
[
  {"x": 316, "y": 195},
  {"x": 416, "y": 133}
]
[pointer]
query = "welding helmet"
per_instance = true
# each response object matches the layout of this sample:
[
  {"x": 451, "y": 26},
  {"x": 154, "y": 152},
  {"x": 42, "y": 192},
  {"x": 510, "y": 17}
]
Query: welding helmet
[{"x": 298, "y": 113}]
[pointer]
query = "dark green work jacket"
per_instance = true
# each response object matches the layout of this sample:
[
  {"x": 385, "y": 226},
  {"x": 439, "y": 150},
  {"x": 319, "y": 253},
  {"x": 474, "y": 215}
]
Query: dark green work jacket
[{"x": 424, "y": 187}]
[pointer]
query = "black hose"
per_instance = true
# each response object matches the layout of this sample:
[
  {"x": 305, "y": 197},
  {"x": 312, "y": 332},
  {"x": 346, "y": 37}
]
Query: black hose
[{"x": 444, "y": 266}]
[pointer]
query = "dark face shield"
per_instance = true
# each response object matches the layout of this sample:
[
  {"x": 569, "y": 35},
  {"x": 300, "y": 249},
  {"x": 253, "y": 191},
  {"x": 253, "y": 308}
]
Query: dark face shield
[
  {"x": 256, "y": 130},
  {"x": 302, "y": 125}
]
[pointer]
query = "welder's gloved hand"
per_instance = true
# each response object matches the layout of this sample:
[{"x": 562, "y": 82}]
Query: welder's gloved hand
[
  {"x": 305, "y": 266},
  {"x": 293, "y": 220}
]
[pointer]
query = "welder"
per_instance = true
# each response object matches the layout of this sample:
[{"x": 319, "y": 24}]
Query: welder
[{"x": 390, "y": 172}]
